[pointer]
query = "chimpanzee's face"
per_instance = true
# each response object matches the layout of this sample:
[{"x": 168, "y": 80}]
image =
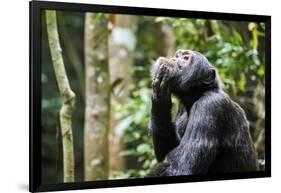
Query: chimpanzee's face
[
  {"x": 182, "y": 58},
  {"x": 193, "y": 68},
  {"x": 185, "y": 71}
]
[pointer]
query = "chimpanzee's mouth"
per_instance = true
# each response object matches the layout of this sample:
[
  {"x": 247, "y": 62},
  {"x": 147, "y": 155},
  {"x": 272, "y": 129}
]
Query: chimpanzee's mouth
[{"x": 173, "y": 62}]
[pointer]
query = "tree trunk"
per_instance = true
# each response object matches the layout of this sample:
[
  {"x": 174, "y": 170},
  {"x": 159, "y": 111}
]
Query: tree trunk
[
  {"x": 68, "y": 97},
  {"x": 121, "y": 48},
  {"x": 166, "y": 40},
  {"x": 72, "y": 54},
  {"x": 97, "y": 87}
]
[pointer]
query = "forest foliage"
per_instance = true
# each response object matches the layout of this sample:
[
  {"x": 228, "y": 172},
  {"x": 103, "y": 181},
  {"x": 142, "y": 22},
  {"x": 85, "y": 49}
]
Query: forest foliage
[{"x": 236, "y": 49}]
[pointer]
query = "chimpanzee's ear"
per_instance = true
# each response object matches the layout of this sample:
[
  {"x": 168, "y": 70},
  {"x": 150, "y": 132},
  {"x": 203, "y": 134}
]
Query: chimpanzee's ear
[{"x": 210, "y": 76}]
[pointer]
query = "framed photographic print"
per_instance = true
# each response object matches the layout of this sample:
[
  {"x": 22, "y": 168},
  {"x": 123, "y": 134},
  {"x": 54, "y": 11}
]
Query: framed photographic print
[{"x": 126, "y": 96}]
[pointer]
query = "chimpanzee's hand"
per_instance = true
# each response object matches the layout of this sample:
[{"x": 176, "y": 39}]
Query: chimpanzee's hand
[{"x": 160, "y": 85}]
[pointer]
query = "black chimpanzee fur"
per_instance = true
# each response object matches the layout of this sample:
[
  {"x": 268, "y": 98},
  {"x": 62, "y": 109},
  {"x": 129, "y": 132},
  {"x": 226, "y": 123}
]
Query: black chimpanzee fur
[{"x": 210, "y": 133}]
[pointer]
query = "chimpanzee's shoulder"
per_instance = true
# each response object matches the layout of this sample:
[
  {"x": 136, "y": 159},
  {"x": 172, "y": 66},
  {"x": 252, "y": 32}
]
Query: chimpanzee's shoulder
[
  {"x": 214, "y": 100},
  {"x": 216, "y": 96}
]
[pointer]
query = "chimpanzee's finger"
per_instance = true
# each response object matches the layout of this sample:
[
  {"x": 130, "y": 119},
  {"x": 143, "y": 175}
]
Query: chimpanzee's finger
[
  {"x": 161, "y": 73},
  {"x": 155, "y": 85},
  {"x": 164, "y": 81},
  {"x": 155, "y": 89},
  {"x": 160, "y": 61}
]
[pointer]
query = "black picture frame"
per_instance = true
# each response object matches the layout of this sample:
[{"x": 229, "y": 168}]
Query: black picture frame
[{"x": 35, "y": 94}]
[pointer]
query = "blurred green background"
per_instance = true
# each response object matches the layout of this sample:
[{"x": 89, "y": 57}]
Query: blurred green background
[{"x": 236, "y": 49}]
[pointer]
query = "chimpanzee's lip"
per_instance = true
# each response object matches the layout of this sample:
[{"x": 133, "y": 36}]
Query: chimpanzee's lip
[{"x": 173, "y": 61}]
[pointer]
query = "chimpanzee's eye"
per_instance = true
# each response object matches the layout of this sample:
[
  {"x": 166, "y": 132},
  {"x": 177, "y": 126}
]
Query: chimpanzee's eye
[{"x": 186, "y": 57}]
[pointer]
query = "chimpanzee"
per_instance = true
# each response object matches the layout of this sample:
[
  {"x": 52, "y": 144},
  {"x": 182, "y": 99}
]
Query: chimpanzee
[{"x": 210, "y": 133}]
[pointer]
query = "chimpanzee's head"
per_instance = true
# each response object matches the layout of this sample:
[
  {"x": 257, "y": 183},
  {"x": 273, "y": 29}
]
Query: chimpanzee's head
[{"x": 193, "y": 72}]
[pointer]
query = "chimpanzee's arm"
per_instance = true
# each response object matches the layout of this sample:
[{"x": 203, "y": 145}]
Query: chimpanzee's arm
[
  {"x": 161, "y": 126},
  {"x": 198, "y": 147}
]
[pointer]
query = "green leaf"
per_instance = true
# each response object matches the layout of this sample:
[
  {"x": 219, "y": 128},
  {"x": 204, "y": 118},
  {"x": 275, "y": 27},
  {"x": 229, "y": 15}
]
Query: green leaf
[
  {"x": 238, "y": 38},
  {"x": 261, "y": 71},
  {"x": 127, "y": 152},
  {"x": 143, "y": 148},
  {"x": 242, "y": 82},
  {"x": 161, "y": 19}
]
